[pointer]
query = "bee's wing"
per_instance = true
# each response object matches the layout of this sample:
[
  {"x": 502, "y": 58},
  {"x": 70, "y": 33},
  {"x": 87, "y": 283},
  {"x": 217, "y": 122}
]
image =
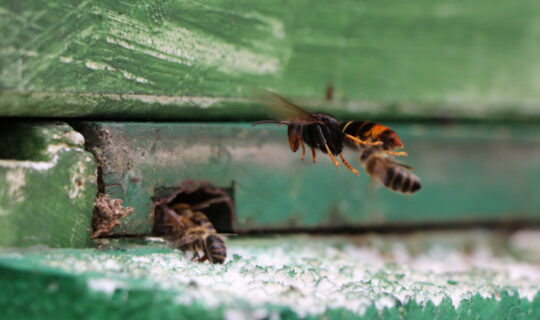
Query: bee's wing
[
  {"x": 284, "y": 110},
  {"x": 185, "y": 240},
  {"x": 393, "y": 161}
]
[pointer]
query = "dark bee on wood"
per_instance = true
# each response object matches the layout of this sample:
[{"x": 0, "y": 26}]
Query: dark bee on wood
[{"x": 324, "y": 132}]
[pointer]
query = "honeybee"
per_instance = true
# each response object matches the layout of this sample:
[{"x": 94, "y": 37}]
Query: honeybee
[
  {"x": 324, "y": 132},
  {"x": 392, "y": 174},
  {"x": 193, "y": 231}
]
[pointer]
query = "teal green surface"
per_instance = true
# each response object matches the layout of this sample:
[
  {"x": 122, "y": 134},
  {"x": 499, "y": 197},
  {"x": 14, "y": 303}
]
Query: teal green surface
[
  {"x": 30, "y": 294},
  {"x": 49, "y": 186},
  {"x": 142, "y": 59},
  {"x": 470, "y": 173},
  {"x": 148, "y": 280}
]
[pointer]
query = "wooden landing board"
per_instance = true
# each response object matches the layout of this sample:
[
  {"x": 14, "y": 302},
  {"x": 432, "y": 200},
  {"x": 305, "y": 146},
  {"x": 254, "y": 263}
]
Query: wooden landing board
[
  {"x": 473, "y": 275},
  {"x": 470, "y": 173}
]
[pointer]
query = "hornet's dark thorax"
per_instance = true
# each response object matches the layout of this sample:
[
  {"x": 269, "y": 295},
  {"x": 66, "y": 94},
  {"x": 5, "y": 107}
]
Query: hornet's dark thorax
[{"x": 330, "y": 130}]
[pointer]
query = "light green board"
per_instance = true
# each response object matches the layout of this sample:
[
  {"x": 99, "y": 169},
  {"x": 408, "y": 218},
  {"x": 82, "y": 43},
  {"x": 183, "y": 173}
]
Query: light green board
[{"x": 186, "y": 60}]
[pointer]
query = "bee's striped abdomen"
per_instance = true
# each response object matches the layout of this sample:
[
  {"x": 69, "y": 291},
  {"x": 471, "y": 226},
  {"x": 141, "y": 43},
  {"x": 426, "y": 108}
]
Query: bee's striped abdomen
[
  {"x": 400, "y": 180},
  {"x": 215, "y": 249}
]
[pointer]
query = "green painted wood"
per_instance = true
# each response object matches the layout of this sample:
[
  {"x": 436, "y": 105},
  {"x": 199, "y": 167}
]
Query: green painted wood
[
  {"x": 420, "y": 276},
  {"x": 49, "y": 186},
  {"x": 470, "y": 173},
  {"x": 179, "y": 59}
]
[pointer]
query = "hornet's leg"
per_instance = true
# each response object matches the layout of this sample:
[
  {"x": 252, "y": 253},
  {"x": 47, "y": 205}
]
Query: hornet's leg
[
  {"x": 336, "y": 163},
  {"x": 303, "y": 149},
  {"x": 348, "y": 165},
  {"x": 331, "y": 155},
  {"x": 314, "y": 155},
  {"x": 365, "y": 143}
]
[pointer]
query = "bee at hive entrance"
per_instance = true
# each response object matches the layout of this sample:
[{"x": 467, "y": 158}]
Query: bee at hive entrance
[{"x": 188, "y": 218}]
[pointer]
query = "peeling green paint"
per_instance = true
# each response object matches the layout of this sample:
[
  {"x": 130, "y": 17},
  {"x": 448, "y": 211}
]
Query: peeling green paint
[{"x": 49, "y": 189}]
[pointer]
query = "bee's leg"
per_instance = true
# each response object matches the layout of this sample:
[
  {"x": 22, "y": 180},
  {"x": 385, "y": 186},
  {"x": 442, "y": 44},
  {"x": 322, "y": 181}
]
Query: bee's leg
[
  {"x": 398, "y": 153},
  {"x": 303, "y": 149},
  {"x": 314, "y": 155},
  {"x": 348, "y": 165},
  {"x": 360, "y": 141},
  {"x": 196, "y": 256},
  {"x": 174, "y": 217},
  {"x": 203, "y": 258}
]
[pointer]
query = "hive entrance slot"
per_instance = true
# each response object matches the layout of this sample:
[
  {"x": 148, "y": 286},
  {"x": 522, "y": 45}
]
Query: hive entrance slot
[{"x": 220, "y": 208}]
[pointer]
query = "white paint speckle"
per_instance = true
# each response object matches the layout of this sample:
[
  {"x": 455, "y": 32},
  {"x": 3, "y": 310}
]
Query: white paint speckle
[
  {"x": 66, "y": 59},
  {"x": 98, "y": 66},
  {"x": 131, "y": 76},
  {"x": 36, "y": 165},
  {"x": 107, "y": 286},
  {"x": 77, "y": 181},
  {"x": 75, "y": 137}
]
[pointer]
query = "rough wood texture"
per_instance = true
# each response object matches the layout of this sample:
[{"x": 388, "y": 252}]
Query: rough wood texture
[
  {"x": 469, "y": 173},
  {"x": 49, "y": 185},
  {"x": 183, "y": 59},
  {"x": 417, "y": 277}
]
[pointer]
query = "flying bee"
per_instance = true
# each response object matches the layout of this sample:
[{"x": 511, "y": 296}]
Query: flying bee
[
  {"x": 324, "y": 132},
  {"x": 392, "y": 174},
  {"x": 193, "y": 231}
]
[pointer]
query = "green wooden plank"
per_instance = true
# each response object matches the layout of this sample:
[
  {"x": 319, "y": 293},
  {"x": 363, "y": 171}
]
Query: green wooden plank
[
  {"x": 449, "y": 58},
  {"x": 470, "y": 173},
  {"x": 50, "y": 184},
  {"x": 420, "y": 276}
]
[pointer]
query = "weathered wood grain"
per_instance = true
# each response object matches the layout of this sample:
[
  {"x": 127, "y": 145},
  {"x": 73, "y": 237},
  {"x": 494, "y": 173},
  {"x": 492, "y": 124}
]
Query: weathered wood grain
[{"x": 448, "y": 58}]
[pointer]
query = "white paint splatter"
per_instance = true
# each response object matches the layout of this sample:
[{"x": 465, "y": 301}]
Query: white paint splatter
[
  {"x": 16, "y": 180},
  {"x": 77, "y": 180},
  {"x": 36, "y": 165},
  {"x": 75, "y": 137},
  {"x": 105, "y": 67},
  {"x": 107, "y": 286},
  {"x": 131, "y": 76},
  {"x": 66, "y": 59},
  {"x": 98, "y": 66}
]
